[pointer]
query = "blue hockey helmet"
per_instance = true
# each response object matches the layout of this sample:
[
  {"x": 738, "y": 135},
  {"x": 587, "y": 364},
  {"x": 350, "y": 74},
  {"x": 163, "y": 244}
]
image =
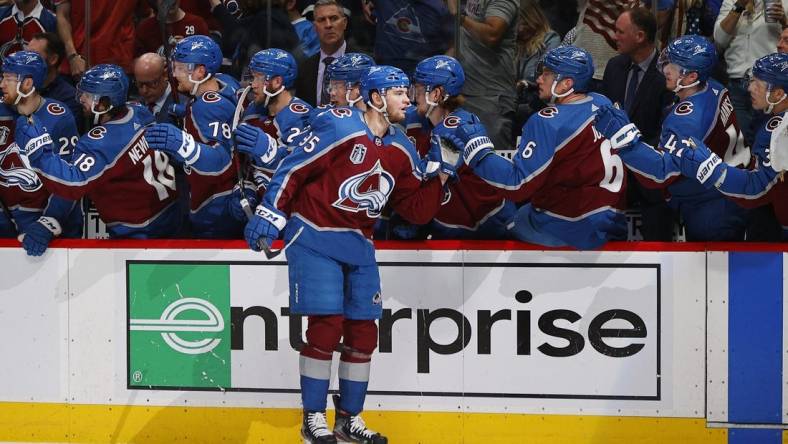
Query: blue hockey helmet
[
  {"x": 26, "y": 64},
  {"x": 105, "y": 81},
  {"x": 440, "y": 70},
  {"x": 199, "y": 50},
  {"x": 380, "y": 78},
  {"x": 692, "y": 53},
  {"x": 350, "y": 67},
  {"x": 573, "y": 63},
  {"x": 275, "y": 62},
  {"x": 772, "y": 69}
]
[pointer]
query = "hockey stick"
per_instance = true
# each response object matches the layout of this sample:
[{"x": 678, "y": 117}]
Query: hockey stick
[
  {"x": 161, "y": 17},
  {"x": 239, "y": 109}
]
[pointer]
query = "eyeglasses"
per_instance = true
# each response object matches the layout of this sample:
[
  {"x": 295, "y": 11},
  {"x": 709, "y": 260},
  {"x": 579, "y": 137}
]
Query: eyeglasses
[{"x": 148, "y": 84}]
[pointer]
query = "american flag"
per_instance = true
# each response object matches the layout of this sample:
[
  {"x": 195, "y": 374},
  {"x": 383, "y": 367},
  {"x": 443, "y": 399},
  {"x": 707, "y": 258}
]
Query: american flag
[{"x": 600, "y": 16}]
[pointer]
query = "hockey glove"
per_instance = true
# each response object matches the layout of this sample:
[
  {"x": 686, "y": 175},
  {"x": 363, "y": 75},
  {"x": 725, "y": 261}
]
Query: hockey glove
[
  {"x": 614, "y": 124},
  {"x": 259, "y": 146},
  {"x": 38, "y": 234},
  {"x": 32, "y": 138},
  {"x": 263, "y": 227},
  {"x": 471, "y": 138},
  {"x": 177, "y": 110},
  {"x": 443, "y": 153},
  {"x": 169, "y": 139},
  {"x": 702, "y": 164},
  {"x": 240, "y": 199}
]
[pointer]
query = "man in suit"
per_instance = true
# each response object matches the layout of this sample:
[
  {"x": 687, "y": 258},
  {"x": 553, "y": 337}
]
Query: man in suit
[
  {"x": 330, "y": 23},
  {"x": 150, "y": 75},
  {"x": 633, "y": 80}
]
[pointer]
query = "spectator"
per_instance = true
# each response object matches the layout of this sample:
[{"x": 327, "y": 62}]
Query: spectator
[
  {"x": 486, "y": 48},
  {"x": 330, "y": 24},
  {"x": 52, "y": 50},
  {"x": 562, "y": 15},
  {"x": 150, "y": 75},
  {"x": 633, "y": 80},
  {"x": 111, "y": 32},
  {"x": 534, "y": 39},
  {"x": 179, "y": 24},
  {"x": 202, "y": 8},
  {"x": 782, "y": 45},
  {"x": 24, "y": 19},
  {"x": 743, "y": 33},
  {"x": 247, "y": 32},
  {"x": 310, "y": 44},
  {"x": 408, "y": 31}
]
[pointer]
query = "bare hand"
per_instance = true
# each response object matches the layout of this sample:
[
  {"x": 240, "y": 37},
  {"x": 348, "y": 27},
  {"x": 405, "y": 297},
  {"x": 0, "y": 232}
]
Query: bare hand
[
  {"x": 77, "y": 65},
  {"x": 776, "y": 13},
  {"x": 369, "y": 10},
  {"x": 454, "y": 6}
]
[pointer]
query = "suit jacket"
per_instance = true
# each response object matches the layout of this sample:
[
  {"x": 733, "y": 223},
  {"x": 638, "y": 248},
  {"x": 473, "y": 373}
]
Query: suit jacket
[
  {"x": 163, "y": 115},
  {"x": 306, "y": 81},
  {"x": 651, "y": 100}
]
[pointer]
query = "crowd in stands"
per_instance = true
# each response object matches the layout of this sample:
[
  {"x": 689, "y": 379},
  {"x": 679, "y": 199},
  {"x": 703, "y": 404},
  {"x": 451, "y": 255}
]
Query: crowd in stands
[{"x": 501, "y": 45}]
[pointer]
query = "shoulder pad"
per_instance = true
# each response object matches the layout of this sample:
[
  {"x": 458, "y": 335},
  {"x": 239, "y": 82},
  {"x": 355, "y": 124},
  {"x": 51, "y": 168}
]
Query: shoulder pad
[
  {"x": 210, "y": 97},
  {"x": 55, "y": 108},
  {"x": 97, "y": 133},
  {"x": 298, "y": 106},
  {"x": 684, "y": 108}
]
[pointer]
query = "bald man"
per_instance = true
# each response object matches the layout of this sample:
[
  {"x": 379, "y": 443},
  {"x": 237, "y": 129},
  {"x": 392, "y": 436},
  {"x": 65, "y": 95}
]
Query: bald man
[{"x": 150, "y": 76}]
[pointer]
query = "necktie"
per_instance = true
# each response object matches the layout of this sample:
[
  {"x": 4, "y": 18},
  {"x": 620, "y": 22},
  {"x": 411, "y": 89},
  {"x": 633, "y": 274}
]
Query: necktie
[
  {"x": 152, "y": 107},
  {"x": 324, "y": 96},
  {"x": 632, "y": 88}
]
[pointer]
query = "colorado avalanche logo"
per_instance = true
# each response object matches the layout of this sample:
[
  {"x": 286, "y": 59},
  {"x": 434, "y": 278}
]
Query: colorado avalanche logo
[
  {"x": 341, "y": 112},
  {"x": 55, "y": 109},
  {"x": 683, "y": 109},
  {"x": 13, "y": 173},
  {"x": 451, "y": 121},
  {"x": 549, "y": 112},
  {"x": 298, "y": 108},
  {"x": 97, "y": 133},
  {"x": 368, "y": 191},
  {"x": 211, "y": 97},
  {"x": 773, "y": 123}
]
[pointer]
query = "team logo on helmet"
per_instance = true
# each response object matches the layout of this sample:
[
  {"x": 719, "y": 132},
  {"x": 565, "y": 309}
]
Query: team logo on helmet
[
  {"x": 55, "y": 109},
  {"x": 548, "y": 112},
  {"x": 368, "y": 191},
  {"x": 442, "y": 64},
  {"x": 211, "y": 97},
  {"x": 298, "y": 108},
  {"x": 773, "y": 123},
  {"x": 97, "y": 133},
  {"x": 451, "y": 121},
  {"x": 684, "y": 108}
]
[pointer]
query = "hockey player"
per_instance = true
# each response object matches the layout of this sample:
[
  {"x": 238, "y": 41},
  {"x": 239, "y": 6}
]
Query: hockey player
[
  {"x": 472, "y": 209},
  {"x": 204, "y": 147},
  {"x": 564, "y": 169},
  {"x": 331, "y": 188},
  {"x": 276, "y": 118},
  {"x": 761, "y": 184},
  {"x": 39, "y": 215},
  {"x": 132, "y": 186},
  {"x": 704, "y": 111}
]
